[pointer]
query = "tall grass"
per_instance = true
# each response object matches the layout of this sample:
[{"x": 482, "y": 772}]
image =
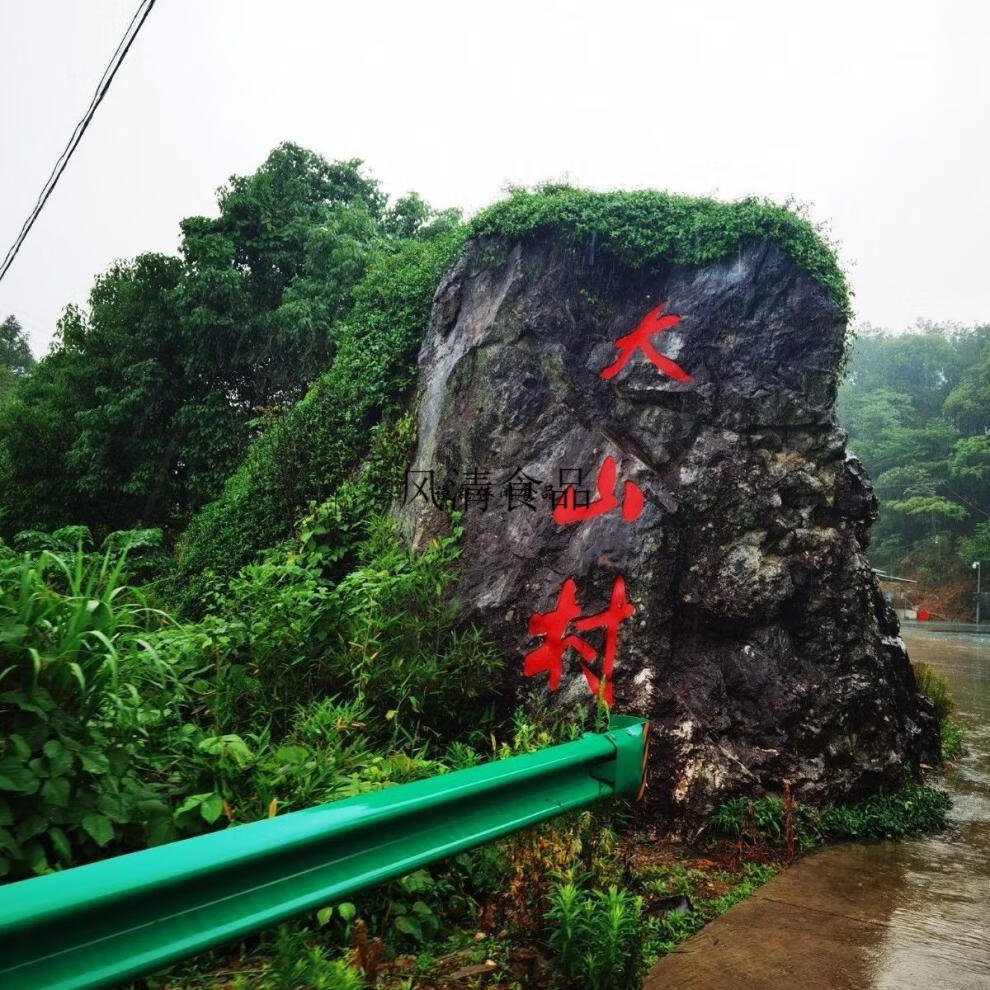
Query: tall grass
[
  {"x": 76, "y": 668},
  {"x": 934, "y": 686}
]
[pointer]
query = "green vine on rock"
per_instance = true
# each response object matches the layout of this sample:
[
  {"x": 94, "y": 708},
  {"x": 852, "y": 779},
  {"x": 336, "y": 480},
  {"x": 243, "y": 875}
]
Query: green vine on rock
[{"x": 646, "y": 228}]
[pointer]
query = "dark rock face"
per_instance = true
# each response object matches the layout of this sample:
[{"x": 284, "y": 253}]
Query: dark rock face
[{"x": 761, "y": 648}]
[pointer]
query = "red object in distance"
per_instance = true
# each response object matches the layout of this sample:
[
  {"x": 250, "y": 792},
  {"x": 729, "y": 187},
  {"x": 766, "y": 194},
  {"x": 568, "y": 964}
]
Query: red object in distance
[
  {"x": 549, "y": 655},
  {"x": 639, "y": 339},
  {"x": 632, "y": 499}
]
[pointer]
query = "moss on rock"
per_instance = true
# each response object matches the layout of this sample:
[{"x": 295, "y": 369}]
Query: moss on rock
[{"x": 647, "y": 228}]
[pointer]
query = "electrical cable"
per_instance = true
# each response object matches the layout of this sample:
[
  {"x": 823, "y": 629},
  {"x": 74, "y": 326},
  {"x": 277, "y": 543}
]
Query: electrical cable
[{"x": 102, "y": 87}]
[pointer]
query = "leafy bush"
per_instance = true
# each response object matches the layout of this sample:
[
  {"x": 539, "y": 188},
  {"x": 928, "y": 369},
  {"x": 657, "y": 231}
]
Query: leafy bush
[
  {"x": 596, "y": 936},
  {"x": 331, "y": 751},
  {"x": 397, "y": 639},
  {"x": 422, "y": 906},
  {"x": 293, "y": 962},
  {"x": 290, "y": 632},
  {"x": 67, "y": 539},
  {"x": 81, "y": 688},
  {"x": 764, "y": 816},
  {"x": 647, "y": 228},
  {"x": 140, "y": 551},
  {"x": 915, "y": 808},
  {"x": 307, "y": 453}
]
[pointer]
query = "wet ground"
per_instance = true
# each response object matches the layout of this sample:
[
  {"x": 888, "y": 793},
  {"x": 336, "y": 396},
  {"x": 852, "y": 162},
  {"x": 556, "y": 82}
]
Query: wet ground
[{"x": 909, "y": 915}]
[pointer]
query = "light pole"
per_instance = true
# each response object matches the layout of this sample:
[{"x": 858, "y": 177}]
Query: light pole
[{"x": 976, "y": 567}]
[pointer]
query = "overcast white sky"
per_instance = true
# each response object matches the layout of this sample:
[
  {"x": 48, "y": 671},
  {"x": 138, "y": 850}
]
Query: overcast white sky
[{"x": 873, "y": 112}]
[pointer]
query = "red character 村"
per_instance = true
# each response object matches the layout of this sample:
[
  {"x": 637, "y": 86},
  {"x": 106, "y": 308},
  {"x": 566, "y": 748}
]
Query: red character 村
[{"x": 549, "y": 655}]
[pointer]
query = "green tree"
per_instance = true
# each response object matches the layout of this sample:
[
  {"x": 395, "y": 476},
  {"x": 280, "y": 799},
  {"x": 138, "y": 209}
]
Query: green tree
[
  {"x": 411, "y": 217},
  {"x": 968, "y": 404},
  {"x": 917, "y": 408},
  {"x": 924, "y": 364},
  {"x": 969, "y": 473},
  {"x": 976, "y": 546},
  {"x": 16, "y": 360},
  {"x": 309, "y": 452},
  {"x": 151, "y": 394},
  {"x": 15, "y": 353},
  {"x": 267, "y": 279}
]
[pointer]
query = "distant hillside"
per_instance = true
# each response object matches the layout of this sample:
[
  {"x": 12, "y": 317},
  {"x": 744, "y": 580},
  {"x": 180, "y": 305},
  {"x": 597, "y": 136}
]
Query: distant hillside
[{"x": 917, "y": 408}]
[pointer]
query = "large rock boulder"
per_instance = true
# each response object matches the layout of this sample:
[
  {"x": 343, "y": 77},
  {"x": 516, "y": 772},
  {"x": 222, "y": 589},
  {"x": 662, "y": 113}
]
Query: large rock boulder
[{"x": 758, "y": 643}]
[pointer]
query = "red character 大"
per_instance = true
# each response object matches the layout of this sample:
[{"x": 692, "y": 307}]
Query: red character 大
[
  {"x": 639, "y": 339},
  {"x": 567, "y": 511},
  {"x": 549, "y": 655}
]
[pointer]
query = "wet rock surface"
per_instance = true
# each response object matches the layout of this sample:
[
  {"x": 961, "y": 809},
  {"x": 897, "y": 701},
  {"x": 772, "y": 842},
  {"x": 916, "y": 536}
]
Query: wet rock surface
[{"x": 761, "y": 648}]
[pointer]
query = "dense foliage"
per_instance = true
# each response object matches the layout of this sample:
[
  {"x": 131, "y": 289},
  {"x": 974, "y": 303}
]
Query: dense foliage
[
  {"x": 914, "y": 809},
  {"x": 307, "y": 453},
  {"x": 150, "y": 396},
  {"x": 647, "y": 228},
  {"x": 81, "y": 685},
  {"x": 917, "y": 408},
  {"x": 16, "y": 360},
  {"x": 122, "y": 727}
]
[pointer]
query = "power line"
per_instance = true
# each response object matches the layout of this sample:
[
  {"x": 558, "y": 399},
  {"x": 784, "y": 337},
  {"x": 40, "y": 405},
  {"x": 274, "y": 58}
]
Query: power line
[
  {"x": 144, "y": 8},
  {"x": 93, "y": 103}
]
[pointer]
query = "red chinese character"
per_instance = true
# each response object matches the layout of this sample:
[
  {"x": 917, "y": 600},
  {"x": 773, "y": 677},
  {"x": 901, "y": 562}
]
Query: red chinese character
[
  {"x": 651, "y": 324},
  {"x": 549, "y": 655},
  {"x": 567, "y": 511}
]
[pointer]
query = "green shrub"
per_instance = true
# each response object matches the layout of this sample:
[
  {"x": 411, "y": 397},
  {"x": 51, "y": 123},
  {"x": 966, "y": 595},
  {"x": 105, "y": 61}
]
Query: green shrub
[
  {"x": 307, "y": 453},
  {"x": 647, "y": 228},
  {"x": 143, "y": 553},
  {"x": 331, "y": 751},
  {"x": 67, "y": 539},
  {"x": 766, "y": 819},
  {"x": 82, "y": 688},
  {"x": 269, "y": 645},
  {"x": 596, "y": 936},
  {"x": 422, "y": 907},
  {"x": 951, "y": 735},
  {"x": 913, "y": 809},
  {"x": 140, "y": 551},
  {"x": 290, "y": 632},
  {"x": 397, "y": 640},
  {"x": 294, "y": 963}
]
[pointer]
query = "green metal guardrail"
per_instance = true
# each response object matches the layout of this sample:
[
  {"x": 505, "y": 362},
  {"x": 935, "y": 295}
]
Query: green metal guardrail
[{"x": 99, "y": 924}]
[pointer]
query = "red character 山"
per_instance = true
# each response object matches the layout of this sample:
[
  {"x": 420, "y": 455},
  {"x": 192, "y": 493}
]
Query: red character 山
[{"x": 632, "y": 499}]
